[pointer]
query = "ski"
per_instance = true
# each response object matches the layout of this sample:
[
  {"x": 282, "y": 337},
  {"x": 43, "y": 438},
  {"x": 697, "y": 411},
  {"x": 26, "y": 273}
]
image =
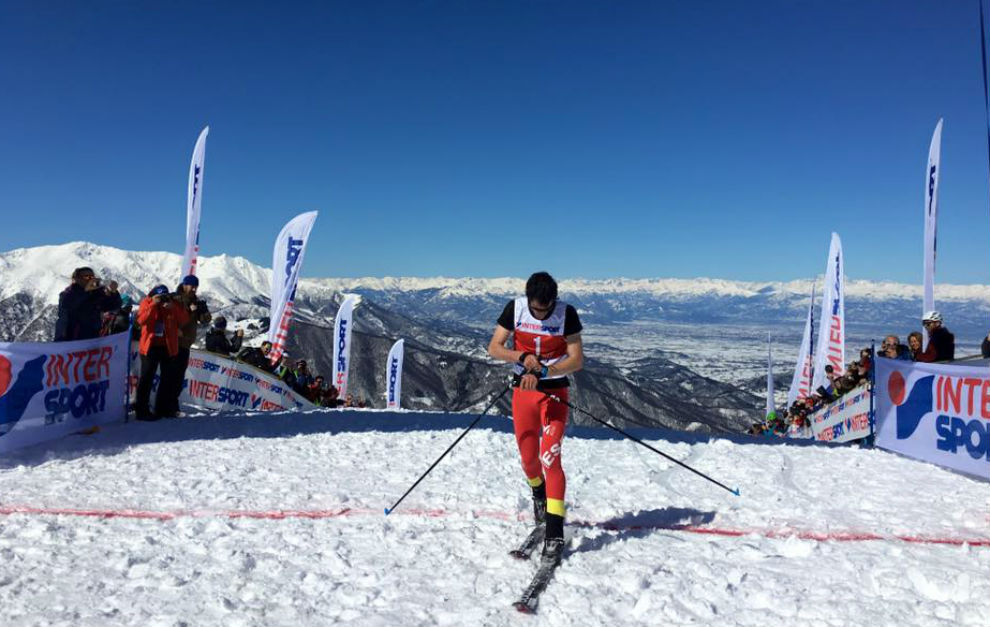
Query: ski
[
  {"x": 532, "y": 541},
  {"x": 531, "y": 597}
]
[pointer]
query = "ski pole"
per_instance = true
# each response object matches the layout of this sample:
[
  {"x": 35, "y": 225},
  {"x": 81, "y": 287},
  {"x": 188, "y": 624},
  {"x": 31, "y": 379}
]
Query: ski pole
[
  {"x": 389, "y": 510},
  {"x": 638, "y": 441}
]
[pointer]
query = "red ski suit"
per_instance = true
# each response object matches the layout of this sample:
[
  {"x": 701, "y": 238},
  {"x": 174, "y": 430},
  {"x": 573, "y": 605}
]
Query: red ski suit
[{"x": 539, "y": 421}]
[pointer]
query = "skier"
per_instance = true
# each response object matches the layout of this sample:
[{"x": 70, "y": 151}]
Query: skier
[{"x": 546, "y": 340}]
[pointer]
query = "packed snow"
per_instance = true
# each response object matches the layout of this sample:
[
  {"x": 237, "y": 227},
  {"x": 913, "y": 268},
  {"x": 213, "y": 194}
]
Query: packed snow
[{"x": 279, "y": 520}]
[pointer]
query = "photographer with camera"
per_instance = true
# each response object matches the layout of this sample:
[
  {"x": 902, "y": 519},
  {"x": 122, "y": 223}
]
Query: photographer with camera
[
  {"x": 197, "y": 313},
  {"x": 81, "y": 306},
  {"x": 160, "y": 318}
]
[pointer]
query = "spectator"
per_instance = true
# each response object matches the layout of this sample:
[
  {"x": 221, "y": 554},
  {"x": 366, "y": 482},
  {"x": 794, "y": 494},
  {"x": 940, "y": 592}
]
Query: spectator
[
  {"x": 258, "y": 357},
  {"x": 985, "y": 347},
  {"x": 349, "y": 402},
  {"x": 216, "y": 338},
  {"x": 941, "y": 343},
  {"x": 893, "y": 349},
  {"x": 914, "y": 344},
  {"x": 196, "y": 313},
  {"x": 847, "y": 383},
  {"x": 284, "y": 372},
  {"x": 303, "y": 377},
  {"x": 160, "y": 320},
  {"x": 330, "y": 397},
  {"x": 316, "y": 390},
  {"x": 865, "y": 363},
  {"x": 81, "y": 306},
  {"x": 827, "y": 393},
  {"x": 118, "y": 321}
]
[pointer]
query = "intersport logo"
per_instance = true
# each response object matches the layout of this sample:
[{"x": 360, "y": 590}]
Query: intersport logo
[{"x": 961, "y": 406}]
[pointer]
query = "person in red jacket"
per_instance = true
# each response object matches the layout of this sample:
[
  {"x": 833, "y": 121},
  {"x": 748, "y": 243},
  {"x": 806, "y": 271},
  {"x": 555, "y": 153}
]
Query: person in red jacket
[{"x": 160, "y": 319}]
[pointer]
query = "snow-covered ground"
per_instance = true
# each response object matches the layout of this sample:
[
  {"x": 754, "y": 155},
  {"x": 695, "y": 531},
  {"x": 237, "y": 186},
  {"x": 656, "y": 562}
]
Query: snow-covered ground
[{"x": 278, "y": 520}]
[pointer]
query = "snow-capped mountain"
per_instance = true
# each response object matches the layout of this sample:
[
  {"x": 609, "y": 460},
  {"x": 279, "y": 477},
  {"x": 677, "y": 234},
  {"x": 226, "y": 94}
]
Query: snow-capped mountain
[
  {"x": 236, "y": 283},
  {"x": 673, "y": 377}
]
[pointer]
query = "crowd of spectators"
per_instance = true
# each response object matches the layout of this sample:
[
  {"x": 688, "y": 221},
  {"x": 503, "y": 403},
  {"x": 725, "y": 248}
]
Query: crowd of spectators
[
  {"x": 166, "y": 327},
  {"x": 795, "y": 420}
]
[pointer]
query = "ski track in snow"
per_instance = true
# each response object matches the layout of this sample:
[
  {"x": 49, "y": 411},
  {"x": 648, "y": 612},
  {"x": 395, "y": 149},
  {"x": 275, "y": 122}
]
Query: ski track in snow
[{"x": 819, "y": 544}]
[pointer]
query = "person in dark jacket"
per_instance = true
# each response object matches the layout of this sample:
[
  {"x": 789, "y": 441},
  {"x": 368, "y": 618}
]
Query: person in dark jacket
[
  {"x": 941, "y": 343},
  {"x": 217, "y": 341},
  {"x": 119, "y": 321},
  {"x": 257, "y": 357},
  {"x": 160, "y": 320},
  {"x": 985, "y": 347},
  {"x": 303, "y": 377},
  {"x": 197, "y": 313},
  {"x": 81, "y": 306}
]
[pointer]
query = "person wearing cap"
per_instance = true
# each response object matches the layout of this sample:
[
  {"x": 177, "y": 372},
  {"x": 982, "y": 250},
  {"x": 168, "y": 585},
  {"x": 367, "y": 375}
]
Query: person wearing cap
[
  {"x": 216, "y": 338},
  {"x": 985, "y": 347},
  {"x": 160, "y": 319},
  {"x": 81, "y": 306},
  {"x": 941, "y": 343},
  {"x": 198, "y": 313}
]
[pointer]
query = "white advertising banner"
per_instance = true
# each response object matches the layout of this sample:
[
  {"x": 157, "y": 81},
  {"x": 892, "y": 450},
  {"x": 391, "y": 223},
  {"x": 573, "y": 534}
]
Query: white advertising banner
[
  {"x": 935, "y": 412},
  {"x": 287, "y": 259},
  {"x": 831, "y": 349},
  {"x": 49, "y": 390},
  {"x": 932, "y": 176},
  {"x": 844, "y": 420},
  {"x": 770, "y": 403},
  {"x": 194, "y": 204},
  {"x": 801, "y": 382},
  {"x": 342, "y": 344},
  {"x": 217, "y": 383},
  {"x": 393, "y": 376}
]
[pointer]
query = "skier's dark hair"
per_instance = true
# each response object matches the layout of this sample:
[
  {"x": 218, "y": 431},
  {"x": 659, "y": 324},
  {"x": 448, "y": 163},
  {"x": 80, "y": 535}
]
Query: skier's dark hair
[{"x": 541, "y": 288}]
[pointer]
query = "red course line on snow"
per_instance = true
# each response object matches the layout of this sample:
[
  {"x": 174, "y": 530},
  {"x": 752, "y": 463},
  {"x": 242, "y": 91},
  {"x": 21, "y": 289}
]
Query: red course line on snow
[{"x": 775, "y": 534}]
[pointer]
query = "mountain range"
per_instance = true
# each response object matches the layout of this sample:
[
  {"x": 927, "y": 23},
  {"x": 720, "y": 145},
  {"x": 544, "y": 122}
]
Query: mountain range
[{"x": 447, "y": 321}]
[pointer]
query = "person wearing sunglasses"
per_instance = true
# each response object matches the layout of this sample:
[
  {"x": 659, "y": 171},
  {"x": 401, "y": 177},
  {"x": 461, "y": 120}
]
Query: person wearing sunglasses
[{"x": 546, "y": 347}]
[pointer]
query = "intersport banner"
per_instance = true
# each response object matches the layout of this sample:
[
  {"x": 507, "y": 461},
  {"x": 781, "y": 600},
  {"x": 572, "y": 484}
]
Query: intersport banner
[
  {"x": 801, "y": 381},
  {"x": 194, "y": 204},
  {"x": 287, "y": 259},
  {"x": 932, "y": 175},
  {"x": 831, "y": 349},
  {"x": 845, "y": 420},
  {"x": 393, "y": 376},
  {"x": 49, "y": 390},
  {"x": 217, "y": 383},
  {"x": 935, "y": 412},
  {"x": 342, "y": 344}
]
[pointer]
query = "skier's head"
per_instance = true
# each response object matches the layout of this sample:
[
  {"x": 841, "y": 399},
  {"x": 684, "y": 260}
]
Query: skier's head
[{"x": 541, "y": 292}]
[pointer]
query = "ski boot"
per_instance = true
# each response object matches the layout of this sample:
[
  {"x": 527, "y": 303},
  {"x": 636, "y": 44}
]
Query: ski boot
[{"x": 540, "y": 503}]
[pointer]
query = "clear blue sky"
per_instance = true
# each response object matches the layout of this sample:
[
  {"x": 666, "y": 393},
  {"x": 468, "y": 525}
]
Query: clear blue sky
[{"x": 592, "y": 139}]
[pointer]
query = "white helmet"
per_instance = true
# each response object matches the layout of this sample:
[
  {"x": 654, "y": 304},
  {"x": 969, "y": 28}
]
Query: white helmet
[{"x": 932, "y": 316}]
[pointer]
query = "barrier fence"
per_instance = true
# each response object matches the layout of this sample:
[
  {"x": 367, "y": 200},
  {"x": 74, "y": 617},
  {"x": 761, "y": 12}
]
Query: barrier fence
[{"x": 50, "y": 390}]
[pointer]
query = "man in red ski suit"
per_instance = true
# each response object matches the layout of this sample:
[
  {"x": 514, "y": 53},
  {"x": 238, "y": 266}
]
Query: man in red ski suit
[{"x": 546, "y": 340}]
